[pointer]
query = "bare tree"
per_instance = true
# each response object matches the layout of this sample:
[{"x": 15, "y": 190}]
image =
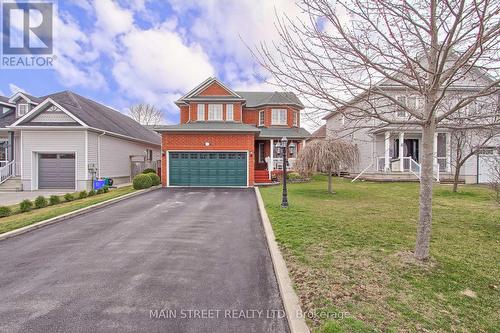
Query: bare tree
[
  {"x": 328, "y": 156},
  {"x": 146, "y": 114},
  {"x": 349, "y": 54},
  {"x": 495, "y": 178}
]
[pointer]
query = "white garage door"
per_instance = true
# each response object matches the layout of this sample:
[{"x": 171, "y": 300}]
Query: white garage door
[
  {"x": 487, "y": 165},
  {"x": 56, "y": 171}
]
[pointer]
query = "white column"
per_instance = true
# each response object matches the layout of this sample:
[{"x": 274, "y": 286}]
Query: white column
[
  {"x": 448, "y": 152},
  {"x": 303, "y": 143},
  {"x": 271, "y": 160},
  {"x": 401, "y": 151},
  {"x": 387, "y": 153},
  {"x": 435, "y": 149}
]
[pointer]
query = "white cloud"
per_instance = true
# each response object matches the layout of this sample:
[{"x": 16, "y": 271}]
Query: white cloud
[
  {"x": 112, "y": 19},
  {"x": 15, "y": 89},
  {"x": 157, "y": 66}
]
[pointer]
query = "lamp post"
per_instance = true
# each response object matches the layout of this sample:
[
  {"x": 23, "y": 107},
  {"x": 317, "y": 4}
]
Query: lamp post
[{"x": 284, "y": 145}]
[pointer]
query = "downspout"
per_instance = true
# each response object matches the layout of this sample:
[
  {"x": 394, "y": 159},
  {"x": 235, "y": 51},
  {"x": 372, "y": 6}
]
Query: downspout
[{"x": 99, "y": 155}]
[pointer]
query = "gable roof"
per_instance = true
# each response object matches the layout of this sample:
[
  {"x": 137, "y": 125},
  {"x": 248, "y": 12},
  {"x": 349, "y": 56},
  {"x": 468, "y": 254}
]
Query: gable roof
[
  {"x": 97, "y": 116},
  {"x": 204, "y": 85},
  {"x": 30, "y": 98}
]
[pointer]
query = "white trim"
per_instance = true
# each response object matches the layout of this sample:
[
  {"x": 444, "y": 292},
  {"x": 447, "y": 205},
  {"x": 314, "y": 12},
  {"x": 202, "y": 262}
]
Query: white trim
[
  {"x": 40, "y": 106},
  {"x": 231, "y": 107},
  {"x": 215, "y": 108},
  {"x": 7, "y": 104},
  {"x": 87, "y": 155},
  {"x": 261, "y": 144},
  {"x": 199, "y": 111},
  {"x": 21, "y": 157},
  {"x": 20, "y": 94},
  {"x": 18, "y": 109},
  {"x": 205, "y": 84},
  {"x": 167, "y": 174}
]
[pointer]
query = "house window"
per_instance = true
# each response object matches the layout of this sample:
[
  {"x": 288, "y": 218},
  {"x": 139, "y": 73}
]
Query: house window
[
  {"x": 229, "y": 112},
  {"x": 262, "y": 158},
  {"x": 22, "y": 109},
  {"x": 296, "y": 119},
  {"x": 262, "y": 117},
  {"x": 201, "y": 112},
  {"x": 412, "y": 102},
  {"x": 215, "y": 112},
  {"x": 149, "y": 155},
  {"x": 401, "y": 113},
  {"x": 279, "y": 117},
  {"x": 342, "y": 120}
]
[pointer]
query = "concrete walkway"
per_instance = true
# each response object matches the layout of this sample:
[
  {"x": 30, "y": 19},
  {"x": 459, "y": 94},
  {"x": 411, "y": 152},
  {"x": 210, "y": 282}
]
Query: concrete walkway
[{"x": 200, "y": 255}]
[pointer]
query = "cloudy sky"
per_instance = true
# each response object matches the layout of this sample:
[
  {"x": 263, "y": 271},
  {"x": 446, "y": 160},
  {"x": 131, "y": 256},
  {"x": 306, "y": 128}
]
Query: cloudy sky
[{"x": 124, "y": 52}]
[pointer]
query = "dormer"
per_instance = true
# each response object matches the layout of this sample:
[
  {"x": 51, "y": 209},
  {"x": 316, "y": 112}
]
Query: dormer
[{"x": 23, "y": 102}]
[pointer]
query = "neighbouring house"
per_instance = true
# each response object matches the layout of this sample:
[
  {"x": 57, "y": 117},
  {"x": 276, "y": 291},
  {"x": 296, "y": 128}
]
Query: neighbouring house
[
  {"x": 229, "y": 138},
  {"x": 319, "y": 134},
  {"x": 393, "y": 152},
  {"x": 65, "y": 141}
]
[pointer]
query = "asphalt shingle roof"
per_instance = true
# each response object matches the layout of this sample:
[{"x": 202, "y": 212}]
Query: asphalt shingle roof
[
  {"x": 320, "y": 132},
  {"x": 258, "y": 98},
  {"x": 7, "y": 119},
  {"x": 290, "y": 133},
  {"x": 4, "y": 99},
  {"x": 102, "y": 117}
]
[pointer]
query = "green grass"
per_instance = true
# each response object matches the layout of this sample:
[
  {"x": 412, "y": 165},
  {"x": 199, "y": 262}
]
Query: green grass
[
  {"x": 351, "y": 253},
  {"x": 24, "y": 219}
]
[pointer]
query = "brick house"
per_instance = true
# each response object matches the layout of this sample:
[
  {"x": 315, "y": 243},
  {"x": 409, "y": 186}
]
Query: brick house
[{"x": 225, "y": 137}]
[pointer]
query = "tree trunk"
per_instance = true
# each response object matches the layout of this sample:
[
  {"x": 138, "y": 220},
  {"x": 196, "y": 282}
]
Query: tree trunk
[
  {"x": 329, "y": 182},
  {"x": 426, "y": 183},
  {"x": 456, "y": 177}
]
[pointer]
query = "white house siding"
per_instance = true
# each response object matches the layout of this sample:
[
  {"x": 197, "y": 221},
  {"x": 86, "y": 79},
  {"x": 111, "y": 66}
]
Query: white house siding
[
  {"x": 52, "y": 141},
  {"x": 17, "y": 152},
  {"x": 115, "y": 157}
]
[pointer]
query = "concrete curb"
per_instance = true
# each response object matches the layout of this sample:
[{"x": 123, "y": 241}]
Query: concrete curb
[
  {"x": 75, "y": 213},
  {"x": 290, "y": 299}
]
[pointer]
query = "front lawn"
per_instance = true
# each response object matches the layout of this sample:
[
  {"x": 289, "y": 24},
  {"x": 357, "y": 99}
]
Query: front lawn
[
  {"x": 350, "y": 253},
  {"x": 24, "y": 219}
]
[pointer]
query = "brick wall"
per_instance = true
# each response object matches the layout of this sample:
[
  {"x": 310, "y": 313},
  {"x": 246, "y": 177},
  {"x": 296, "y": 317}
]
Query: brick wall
[
  {"x": 214, "y": 90},
  {"x": 218, "y": 142}
]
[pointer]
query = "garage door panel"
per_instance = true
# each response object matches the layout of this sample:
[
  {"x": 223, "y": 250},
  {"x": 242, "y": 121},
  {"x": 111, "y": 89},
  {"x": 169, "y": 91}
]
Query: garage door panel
[
  {"x": 56, "y": 171},
  {"x": 208, "y": 169}
]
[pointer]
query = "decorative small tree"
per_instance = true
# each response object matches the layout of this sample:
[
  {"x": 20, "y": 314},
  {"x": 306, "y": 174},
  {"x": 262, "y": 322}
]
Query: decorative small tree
[{"x": 328, "y": 156}]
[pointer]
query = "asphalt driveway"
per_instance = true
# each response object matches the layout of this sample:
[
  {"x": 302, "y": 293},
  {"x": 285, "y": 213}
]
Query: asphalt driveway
[{"x": 198, "y": 255}]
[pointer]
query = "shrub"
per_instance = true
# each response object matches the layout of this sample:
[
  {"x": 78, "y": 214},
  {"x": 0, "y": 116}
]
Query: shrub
[
  {"x": 92, "y": 193},
  {"x": 155, "y": 179},
  {"x": 25, "y": 206},
  {"x": 5, "y": 211},
  {"x": 293, "y": 176},
  {"x": 83, "y": 194},
  {"x": 54, "y": 200},
  {"x": 41, "y": 202},
  {"x": 69, "y": 197},
  {"x": 149, "y": 170},
  {"x": 105, "y": 189},
  {"x": 100, "y": 191},
  {"x": 142, "y": 181}
]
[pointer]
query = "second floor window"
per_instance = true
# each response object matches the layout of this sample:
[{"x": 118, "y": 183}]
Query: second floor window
[
  {"x": 279, "y": 117},
  {"x": 201, "y": 112},
  {"x": 229, "y": 112},
  {"x": 296, "y": 119},
  {"x": 214, "y": 111},
  {"x": 22, "y": 109},
  {"x": 262, "y": 118},
  {"x": 401, "y": 113}
]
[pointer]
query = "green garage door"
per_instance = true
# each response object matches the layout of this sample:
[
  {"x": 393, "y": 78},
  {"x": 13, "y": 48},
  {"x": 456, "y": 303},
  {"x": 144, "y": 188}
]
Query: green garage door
[{"x": 208, "y": 169}]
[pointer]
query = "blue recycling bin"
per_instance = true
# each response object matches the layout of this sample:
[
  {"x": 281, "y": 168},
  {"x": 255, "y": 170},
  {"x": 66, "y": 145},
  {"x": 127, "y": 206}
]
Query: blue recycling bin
[{"x": 98, "y": 184}]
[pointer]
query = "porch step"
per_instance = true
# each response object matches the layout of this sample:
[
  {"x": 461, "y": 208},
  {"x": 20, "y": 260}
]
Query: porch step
[
  {"x": 385, "y": 177},
  {"x": 261, "y": 176},
  {"x": 12, "y": 185}
]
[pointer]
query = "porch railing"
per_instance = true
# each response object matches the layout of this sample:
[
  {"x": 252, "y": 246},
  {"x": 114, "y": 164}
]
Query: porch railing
[
  {"x": 409, "y": 165},
  {"x": 278, "y": 163},
  {"x": 7, "y": 171}
]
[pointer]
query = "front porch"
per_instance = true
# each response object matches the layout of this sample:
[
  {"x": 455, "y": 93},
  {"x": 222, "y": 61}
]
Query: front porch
[
  {"x": 398, "y": 154},
  {"x": 9, "y": 169},
  {"x": 269, "y": 161}
]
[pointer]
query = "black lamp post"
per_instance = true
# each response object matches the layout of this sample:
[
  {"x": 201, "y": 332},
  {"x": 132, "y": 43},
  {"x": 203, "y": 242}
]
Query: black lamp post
[{"x": 284, "y": 145}]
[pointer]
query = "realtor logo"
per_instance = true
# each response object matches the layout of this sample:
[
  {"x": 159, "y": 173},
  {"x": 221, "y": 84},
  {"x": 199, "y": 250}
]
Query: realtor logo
[{"x": 27, "y": 34}]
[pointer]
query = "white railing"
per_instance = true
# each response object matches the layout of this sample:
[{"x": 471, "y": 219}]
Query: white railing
[
  {"x": 278, "y": 163},
  {"x": 409, "y": 164},
  {"x": 415, "y": 167},
  {"x": 362, "y": 172},
  {"x": 7, "y": 171}
]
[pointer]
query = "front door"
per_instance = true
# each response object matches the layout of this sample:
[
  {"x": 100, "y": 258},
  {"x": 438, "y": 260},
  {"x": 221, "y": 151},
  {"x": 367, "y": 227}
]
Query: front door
[{"x": 412, "y": 149}]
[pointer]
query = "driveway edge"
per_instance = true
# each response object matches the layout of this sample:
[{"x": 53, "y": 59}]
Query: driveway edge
[
  {"x": 75, "y": 213},
  {"x": 289, "y": 297}
]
